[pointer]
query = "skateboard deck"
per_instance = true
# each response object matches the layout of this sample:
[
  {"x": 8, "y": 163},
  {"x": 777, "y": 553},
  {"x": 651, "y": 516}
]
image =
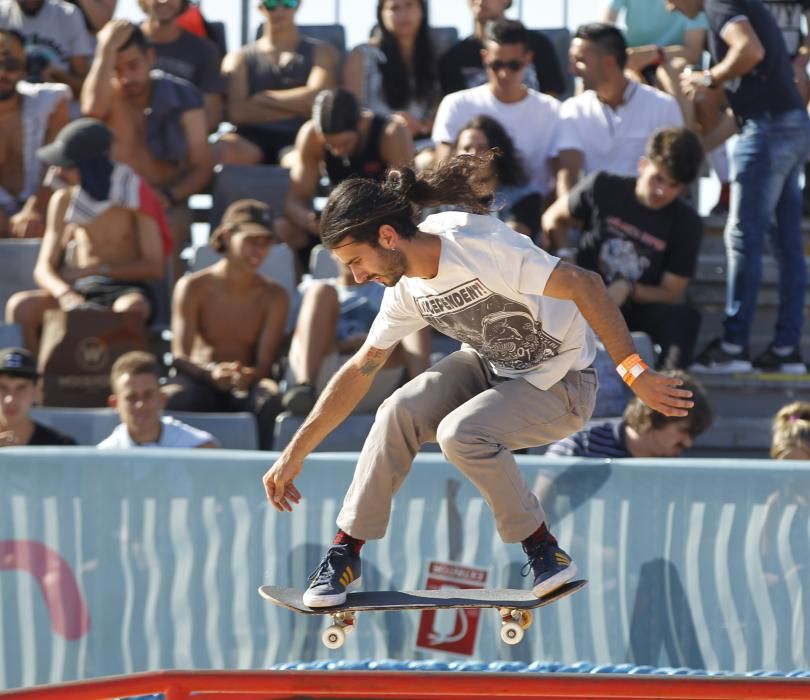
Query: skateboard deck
[{"x": 515, "y": 605}]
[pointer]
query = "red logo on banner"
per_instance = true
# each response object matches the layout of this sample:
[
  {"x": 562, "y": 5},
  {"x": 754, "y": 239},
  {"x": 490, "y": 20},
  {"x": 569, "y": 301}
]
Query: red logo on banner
[{"x": 453, "y": 630}]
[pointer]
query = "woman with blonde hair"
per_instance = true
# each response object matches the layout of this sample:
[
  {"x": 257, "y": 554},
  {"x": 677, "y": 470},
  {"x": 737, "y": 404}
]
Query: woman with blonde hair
[{"x": 791, "y": 432}]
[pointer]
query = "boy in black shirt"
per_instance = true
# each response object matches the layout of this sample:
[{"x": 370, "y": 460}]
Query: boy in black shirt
[
  {"x": 18, "y": 391},
  {"x": 643, "y": 239}
]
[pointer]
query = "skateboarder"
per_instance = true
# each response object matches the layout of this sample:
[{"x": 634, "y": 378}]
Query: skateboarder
[{"x": 521, "y": 379}]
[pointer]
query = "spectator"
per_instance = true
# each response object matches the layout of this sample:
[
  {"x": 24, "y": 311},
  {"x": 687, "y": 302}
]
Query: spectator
[
  {"x": 461, "y": 66},
  {"x": 790, "y": 15},
  {"x": 644, "y": 239},
  {"x": 30, "y": 116},
  {"x": 228, "y": 324},
  {"x": 607, "y": 125},
  {"x": 752, "y": 62},
  {"x": 529, "y": 117},
  {"x": 514, "y": 200},
  {"x": 343, "y": 141},
  {"x": 96, "y": 12},
  {"x": 334, "y": 321},
  {"x": 183, "y": 54},
  {"x": 158, "y": 119},
  {"x": 137, "y": 398},
  {"x": 57, "y": 42},
  {"x": 395, "y": 72},
  {"x": 271, "y": 86},
  {"x": 642, "y": 432},
  {"x": 649, "y": 27},
  {"x": 18, "y": 393},
  {"x": 118, "y": 247},
  {"x": 791, "y": 432}
]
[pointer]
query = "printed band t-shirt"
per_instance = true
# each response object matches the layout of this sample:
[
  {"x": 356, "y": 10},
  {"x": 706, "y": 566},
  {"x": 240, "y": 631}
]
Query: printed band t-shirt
[
  {"x": 488, "y": 294},
  {"x": 770, "y": 86},
  {"x": 623, "y": 239}
]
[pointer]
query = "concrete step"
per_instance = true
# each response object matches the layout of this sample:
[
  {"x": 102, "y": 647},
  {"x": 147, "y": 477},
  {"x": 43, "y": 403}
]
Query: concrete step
[
  {"x": 712, "y": 267},
  {"x": 734, "y": 437},
  {"x": 753, "y": 395},
  {"x": 713, "y": 227}
]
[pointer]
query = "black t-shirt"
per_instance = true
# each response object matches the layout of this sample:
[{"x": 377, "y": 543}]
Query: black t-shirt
[
  {"x": 368, "y": 163},
  {"x": 788, "y": 15},
  {"x": 623, "y": 239},
  {"x": 770, "y": 87},
  {"x": 44, "y": 435},
  {"x": 461, "y": 66}
]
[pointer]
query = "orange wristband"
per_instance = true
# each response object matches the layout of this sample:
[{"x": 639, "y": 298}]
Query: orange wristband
[{"x": 631, "y": 368}]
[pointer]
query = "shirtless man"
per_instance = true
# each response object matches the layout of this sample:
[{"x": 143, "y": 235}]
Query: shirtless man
[
  {"x": 344, "y": 141},
  {"x": 228, "y": 323},
  {"x": 30, "y": 115},
  {"x": 158, "y": 120},
  {"x": 271, "y": 85},
  {"x": 115, "y": 253}
]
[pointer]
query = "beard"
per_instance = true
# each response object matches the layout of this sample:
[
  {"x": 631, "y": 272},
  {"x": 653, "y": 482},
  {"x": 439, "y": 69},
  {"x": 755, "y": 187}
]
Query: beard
[
  {"x": 393, "y": 267},
  {"x": 31, "y": 9}
]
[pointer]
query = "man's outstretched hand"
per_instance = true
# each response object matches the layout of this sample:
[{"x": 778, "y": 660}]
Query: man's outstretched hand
[
  {"x": 278, "y": 483},
  {"x": 661, "y": 393}
]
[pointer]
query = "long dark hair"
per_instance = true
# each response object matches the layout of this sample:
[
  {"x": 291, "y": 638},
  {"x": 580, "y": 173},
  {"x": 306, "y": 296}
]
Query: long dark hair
[
  {"x": 508, "y": 166},
  {"x": 358, "y": 207},
  {"x": 396, "y": 80}
]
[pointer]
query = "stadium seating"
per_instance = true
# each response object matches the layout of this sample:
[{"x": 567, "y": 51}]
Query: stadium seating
[
  {"x": 321, "y": 263},
  {"x": 443, "y": 38},
  {"x": 10, "y": 335},
  {"x": 268, "y": 183},
  {"x": 89, "y": 426},
  {"x": 17, "y": 260},
  {"x": 561, "y": 38}
]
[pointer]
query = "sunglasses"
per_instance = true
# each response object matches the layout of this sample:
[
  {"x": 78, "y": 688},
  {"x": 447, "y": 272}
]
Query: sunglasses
[
  {"x": 273, "y": 4},
  {"x": 11, "y": 64},
  {"x": 513, "y": 65}
]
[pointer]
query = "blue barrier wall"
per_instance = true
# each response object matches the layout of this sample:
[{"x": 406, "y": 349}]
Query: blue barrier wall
[{"x": 690, "y": 563}]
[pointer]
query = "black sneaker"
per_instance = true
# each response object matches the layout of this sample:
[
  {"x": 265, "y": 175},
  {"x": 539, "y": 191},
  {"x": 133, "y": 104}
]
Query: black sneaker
[
  {"x": 550, "y": 565},
  {"x": 715, "y": 359},
  {"x": 769, "y": 361},
  {"x": 337, "y": 575}
]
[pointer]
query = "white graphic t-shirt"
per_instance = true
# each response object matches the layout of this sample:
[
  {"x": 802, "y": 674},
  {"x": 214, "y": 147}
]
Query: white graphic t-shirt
[
  {"x": 175, "y": 433},
  {"x": 488, "y": 294}
]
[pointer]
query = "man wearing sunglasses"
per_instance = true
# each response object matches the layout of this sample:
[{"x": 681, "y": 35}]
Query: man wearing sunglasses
[
  {"x": 529, "y": 117},
  {"x": 461, "y": 66},
  {"x": 30, "y": 116},
  {"x": 271, "y": 87}
]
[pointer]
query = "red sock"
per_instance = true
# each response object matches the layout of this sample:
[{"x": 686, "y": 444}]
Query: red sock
[
  {"x": 345, "y": 538},
  {"x": 540, "y": 536}
]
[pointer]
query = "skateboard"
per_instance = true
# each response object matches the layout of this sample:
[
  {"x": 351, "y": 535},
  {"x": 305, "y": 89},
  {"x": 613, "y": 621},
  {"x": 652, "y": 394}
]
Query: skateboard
[{"x": 515, "y": 606}]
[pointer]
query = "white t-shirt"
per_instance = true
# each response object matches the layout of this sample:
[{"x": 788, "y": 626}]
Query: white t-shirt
[
  {"x": 57, "y": 30},
  {"x": 530, "y": 123},
  {"x": 175, "y": 433},
  {"x": 488, "y": 294},
  {"x": 614, "y": 140}
]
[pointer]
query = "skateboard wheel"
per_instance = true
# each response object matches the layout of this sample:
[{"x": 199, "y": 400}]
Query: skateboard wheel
[
  {"x": 511, "y": 632},
  {"x": 333, "y": 637}
]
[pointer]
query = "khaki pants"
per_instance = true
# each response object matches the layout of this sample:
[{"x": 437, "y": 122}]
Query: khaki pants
[{"x": 476, "y": 418}]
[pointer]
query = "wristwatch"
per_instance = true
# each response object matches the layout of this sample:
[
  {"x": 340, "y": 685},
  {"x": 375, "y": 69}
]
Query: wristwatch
[{"x": 708, "y": 80}]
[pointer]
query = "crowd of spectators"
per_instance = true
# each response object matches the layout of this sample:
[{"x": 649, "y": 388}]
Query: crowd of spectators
[{"x": 107, "y": 127}]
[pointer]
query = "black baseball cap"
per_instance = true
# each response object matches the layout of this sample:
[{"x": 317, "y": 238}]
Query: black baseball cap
[
  {"x": 18, "y": 362},
  {"x": 83, "y": 139}
]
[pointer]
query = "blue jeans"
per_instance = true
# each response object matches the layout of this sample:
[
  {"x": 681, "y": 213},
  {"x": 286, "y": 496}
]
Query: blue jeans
[{"x": 765, "y": 197}]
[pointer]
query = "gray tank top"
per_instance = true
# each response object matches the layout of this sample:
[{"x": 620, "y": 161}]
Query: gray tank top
[{"x": 263, "y": 74}]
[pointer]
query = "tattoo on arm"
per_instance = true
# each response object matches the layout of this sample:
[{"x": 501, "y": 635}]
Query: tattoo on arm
[{"x": 372, "y": 362}]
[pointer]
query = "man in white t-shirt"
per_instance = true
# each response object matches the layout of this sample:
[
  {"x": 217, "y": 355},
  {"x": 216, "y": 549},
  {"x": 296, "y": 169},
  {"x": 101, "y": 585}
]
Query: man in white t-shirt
[
  {"x": 607, "y": 126},
  {"x": 521, "y": 379},
  {"x": 58, "y": 44},
  {"x": 529, "y": 117},
  {"x": 137, "y": 398}
]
